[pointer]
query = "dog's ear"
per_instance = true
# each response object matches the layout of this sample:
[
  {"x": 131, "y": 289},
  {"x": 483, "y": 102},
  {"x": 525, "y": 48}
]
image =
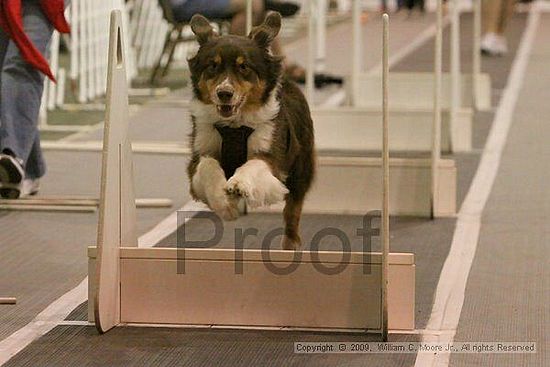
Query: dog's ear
[
  {"x": 202, "y": 29},
  {"x": 266, "y": 32}
]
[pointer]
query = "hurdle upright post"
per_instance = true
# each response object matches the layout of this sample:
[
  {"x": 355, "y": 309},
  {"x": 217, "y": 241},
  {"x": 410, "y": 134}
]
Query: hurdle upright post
[
  {"x": 356, "y": 50},
  {"x": 75, "y": 42},
  {"x": 436, "y": 128},
  {"x": 320, "y": 52},
  {"x": 385, "y": 233},
  {"x": 117, "y": 209},
  {"x": 310, "y": 63},
  {"x": 456, "y": 88},
  {"x": 476, "y": 56},
  {"x": 54, "y": 65},
  {"x": 248, "y": 16}
]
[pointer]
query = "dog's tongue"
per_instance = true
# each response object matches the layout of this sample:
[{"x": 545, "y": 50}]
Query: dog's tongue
[{"x": 225, "y": 110}]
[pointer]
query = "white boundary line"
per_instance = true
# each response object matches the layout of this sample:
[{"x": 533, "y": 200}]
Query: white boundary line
[
  {"x": 43, "y": 322},
  {"x": 57, "y": 311},
  {"x": 409, "y": 48},
  {"x": 339, "y": 97},
  {"x": 450, "y": 292}
]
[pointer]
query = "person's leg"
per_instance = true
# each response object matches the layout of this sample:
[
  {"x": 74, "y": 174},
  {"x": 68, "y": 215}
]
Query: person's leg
[
  {"x": 491, "y": 14},
  {"x": 238, "y": 9},
  {"x": 507, "y": 8},
  {"x": 183, "y": 10},
  {"x": 495, "y": 15},
  {"x": 4, "y": 42},
  {"x": 238, "y": 23},
  {"x": 21, "y": 92},
  {"x": 35, "y": 167}
]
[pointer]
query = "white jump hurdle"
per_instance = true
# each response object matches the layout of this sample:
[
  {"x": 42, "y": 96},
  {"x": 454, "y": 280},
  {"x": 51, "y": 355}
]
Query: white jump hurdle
[
  {"x": 412, "y": 91},
  {"x": 343, "y": 135},
  {"x": 410, "y": 131},
  {"x": 142, "y": 286}
]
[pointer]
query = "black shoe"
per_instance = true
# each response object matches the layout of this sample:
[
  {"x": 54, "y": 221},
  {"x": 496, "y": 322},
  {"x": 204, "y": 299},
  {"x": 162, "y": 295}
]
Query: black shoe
[
  {"x": 320, "y": 80},
  {"x": 11, "y": 170},
  {"x": 285, "y": 8},
  {"x": 11, "y": 176},
  {"x": 27, "y": 187}
]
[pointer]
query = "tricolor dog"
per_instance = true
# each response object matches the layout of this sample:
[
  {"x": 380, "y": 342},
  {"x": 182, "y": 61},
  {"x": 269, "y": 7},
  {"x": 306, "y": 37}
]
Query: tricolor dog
[{"x": 252, "y": 133}]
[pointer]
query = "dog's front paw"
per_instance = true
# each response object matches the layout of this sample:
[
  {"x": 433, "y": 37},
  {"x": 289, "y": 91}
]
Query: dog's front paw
[
  {"x": 226, "y": 208},
  {"x": 258, "y": 191},
  {"x": 238, "y": 188}
]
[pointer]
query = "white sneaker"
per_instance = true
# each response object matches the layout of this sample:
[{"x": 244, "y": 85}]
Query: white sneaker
[
  {"x": 27, "y": 187},
  {"x": 501, "y": 45},
  {"x": 494, "y": 44}
]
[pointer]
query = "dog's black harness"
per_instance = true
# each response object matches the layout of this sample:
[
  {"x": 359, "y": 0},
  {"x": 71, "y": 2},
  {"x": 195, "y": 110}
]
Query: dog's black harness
[{"x": 234, "y": 147}]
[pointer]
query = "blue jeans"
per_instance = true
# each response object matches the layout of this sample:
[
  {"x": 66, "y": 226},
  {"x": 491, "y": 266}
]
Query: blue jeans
[
  {"x": 21, "y": 89},
  {"x": 214, "y": 9}
]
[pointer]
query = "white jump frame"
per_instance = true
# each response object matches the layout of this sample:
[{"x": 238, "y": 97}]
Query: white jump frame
[
  {"x": 461, "y": 93},
  {"x": 141, "y": 286},
  {"x": 345, "y": 134}
]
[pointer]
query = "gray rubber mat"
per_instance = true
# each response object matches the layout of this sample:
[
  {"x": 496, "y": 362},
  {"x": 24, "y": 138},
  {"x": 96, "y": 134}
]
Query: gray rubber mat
[
  {"x": 80, "y": 313},
  {"x": 43, "y": 255},
  {"x": 123, "y": 346},
  {"x": 508, "y": 291}
]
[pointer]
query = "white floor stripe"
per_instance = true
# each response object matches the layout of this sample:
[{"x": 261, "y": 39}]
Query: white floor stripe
[
  {"x": 43, "y": 322},
  {"x": 75, "y": 323},
  {"x": 56, "y": 312},
  {"x": 338, "y": 98},
  {"x": 168, "y": 225},
  {"x": 449, "y": 297},
  {"x": 410, "y": 47}
]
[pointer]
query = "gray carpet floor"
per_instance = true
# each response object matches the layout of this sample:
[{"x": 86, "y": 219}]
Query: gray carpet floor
[{"x": 508, "y": 290}]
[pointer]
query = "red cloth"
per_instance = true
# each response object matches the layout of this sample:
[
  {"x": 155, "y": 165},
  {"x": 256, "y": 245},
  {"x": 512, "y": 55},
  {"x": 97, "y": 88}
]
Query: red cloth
[{"x": 11, "y": 21}]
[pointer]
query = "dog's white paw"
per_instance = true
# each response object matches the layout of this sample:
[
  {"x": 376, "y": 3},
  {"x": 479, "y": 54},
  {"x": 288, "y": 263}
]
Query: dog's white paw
[
  {"x": 226, "y": 208},
  {"x": 236, "y": 187},
  {"x": 255, "y": 183}
]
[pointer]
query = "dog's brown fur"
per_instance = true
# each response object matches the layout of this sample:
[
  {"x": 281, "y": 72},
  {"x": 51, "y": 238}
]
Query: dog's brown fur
[{"x": 246, "y": 66}]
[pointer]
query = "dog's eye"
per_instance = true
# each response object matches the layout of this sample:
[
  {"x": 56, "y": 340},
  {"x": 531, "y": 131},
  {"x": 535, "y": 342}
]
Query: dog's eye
[
  {"x": 212, "y": 66},
  {"x": 243, "y": 68}
]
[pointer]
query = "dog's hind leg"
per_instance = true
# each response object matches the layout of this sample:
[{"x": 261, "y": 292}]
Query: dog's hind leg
[{"x": 292, "y": 213}]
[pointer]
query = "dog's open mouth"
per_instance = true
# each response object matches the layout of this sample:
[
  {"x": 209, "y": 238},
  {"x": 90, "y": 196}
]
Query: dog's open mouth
[
  {"x": 229, "y": 110},
  {"x": 226, "y": 110}
]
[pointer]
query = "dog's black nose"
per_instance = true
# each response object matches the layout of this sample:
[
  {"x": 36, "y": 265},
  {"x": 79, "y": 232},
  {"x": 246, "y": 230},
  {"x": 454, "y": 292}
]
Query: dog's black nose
[{"x": 225, "y": 95}]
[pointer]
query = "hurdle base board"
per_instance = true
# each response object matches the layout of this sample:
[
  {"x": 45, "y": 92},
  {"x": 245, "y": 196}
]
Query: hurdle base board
[
  {"x": 352, "y": 185},
  {"x": 416, "y": 90},
  {"x": 210, "y": 293},
  {"x": 360, "y": 129}
]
